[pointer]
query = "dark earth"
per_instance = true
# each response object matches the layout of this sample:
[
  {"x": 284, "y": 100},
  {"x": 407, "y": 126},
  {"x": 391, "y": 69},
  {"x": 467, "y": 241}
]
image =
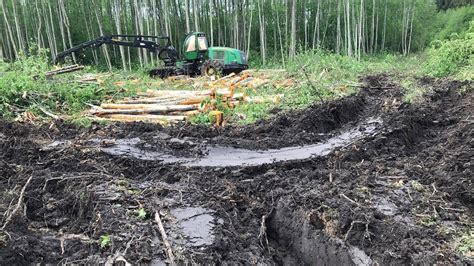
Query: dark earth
[{"x": 403, "y": 194}]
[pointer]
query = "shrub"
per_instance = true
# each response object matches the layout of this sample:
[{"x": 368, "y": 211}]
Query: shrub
[{"x": 450, "y": 57}]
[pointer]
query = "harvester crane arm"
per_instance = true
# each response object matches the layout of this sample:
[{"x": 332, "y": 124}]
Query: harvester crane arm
[{"x": 138, "y": 42}]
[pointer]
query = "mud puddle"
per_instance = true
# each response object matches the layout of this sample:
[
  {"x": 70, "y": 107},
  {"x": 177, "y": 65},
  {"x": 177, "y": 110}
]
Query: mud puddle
[
  {"x": 220, "y": 156},
  {"x": 228, "y": 156},
  {"x": 129, "y": 148},
  {"x": 196, "y": 225}
]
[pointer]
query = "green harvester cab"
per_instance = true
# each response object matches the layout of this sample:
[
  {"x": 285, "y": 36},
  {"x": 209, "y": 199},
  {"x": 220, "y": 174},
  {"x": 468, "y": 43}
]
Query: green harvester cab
[{"x": 199, "y": 58}]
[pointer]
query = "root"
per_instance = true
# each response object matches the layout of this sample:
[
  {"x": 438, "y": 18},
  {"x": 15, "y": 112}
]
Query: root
[
  {"x": 350, "y": 228},
  {"x": 117, "y": 258},
  {"x": 349, "y": 199},
  {"x": 169, "y": 250},
  {"x": 263, "y": 233},
  {"x": 367, "y": 233},
  {"x": 63, "y": 238},
  {"x": 18, "y": 205}
]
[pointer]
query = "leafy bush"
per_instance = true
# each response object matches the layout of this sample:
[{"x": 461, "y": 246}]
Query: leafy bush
[
  {"x": 453, "y": 56},
  {"x": 451, "y": 22}
]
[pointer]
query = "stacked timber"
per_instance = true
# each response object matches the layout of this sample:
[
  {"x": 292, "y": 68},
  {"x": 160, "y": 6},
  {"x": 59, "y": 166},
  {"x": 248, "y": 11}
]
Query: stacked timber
[{"x": 172, "y": 106}]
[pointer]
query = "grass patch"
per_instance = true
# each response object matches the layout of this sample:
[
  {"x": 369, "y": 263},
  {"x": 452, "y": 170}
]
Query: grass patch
[
  {"x": 24, "y": 88},
  {"x": 328, "y": 76},
  {"x": 413, "y": 91}
]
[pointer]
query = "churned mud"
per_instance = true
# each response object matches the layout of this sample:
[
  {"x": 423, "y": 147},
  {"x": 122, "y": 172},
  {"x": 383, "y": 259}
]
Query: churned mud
[{"x": 366, "y": 179}]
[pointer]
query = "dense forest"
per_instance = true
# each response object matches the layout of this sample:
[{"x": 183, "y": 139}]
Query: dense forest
[{"x": 265, "y": 29}]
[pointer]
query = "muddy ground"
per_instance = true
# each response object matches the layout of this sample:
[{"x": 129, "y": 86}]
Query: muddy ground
[{"x": 397, "y": 190}]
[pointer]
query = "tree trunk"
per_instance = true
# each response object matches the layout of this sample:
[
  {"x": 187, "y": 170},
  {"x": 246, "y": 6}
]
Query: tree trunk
[
  {"x": 105, "y": 50},
  {"x": 316, "y": 31},
  {"x": 384, "y": 27},
  {"x": 186, "y": 10},
  {"x": 9, "y": 29},
  {"x": 293, "y": 30},
  {"x": 338, "y": 34},
  {"x": 196, "y": 15},
  {"x": 262, "y": 31}
]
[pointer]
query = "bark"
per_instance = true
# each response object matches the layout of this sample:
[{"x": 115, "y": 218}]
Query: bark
[
  {"x": 9, "y": 29},
  {"x": 186, "y": 9},
  {"x": 293, "y": 30}
]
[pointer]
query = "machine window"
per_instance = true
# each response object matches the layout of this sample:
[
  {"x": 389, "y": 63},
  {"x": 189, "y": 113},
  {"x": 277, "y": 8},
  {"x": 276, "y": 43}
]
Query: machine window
[
  {"x": 191, "y": 45},
  {"x": 202, "y": 43}
]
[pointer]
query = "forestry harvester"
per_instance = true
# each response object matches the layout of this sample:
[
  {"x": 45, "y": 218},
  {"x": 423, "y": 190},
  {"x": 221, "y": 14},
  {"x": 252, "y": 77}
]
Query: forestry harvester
[{"x": 197, "y": 57}]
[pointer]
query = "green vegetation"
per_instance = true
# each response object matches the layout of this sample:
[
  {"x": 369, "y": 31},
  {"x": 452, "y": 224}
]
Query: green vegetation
[
  {"x": 465, "y": 245},
  {"x": 454, "y": 56},
  {"x": 104, "y": 241},
  {"x": 24, "y": 88},
  {"x": 326, "y": 75},
  {"x": 141, "y": 213},
  {"x": 451, "y": 22}
]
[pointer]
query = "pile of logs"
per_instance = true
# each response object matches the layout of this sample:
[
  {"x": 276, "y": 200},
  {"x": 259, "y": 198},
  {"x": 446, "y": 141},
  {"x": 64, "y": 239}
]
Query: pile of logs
[{"x": 171, "y": 106}]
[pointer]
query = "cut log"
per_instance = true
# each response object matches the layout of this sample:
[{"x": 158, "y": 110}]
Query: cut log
[
  {"x": 129, "y": 106},
  {"x": 260, "y": 99},
  {"x": 146, "y": 118},
  {"x": 157, "y": 119},
  {"x": 160, "y": 109},
  {"x": 238, "y": 96},
  {"x": 152, "y": 100},
  {"x": 226, "y": 77},
  {"x": 158, "y": 93},
  {"x": 64, "y": 70},
  {"x": 189, "y": 101}
]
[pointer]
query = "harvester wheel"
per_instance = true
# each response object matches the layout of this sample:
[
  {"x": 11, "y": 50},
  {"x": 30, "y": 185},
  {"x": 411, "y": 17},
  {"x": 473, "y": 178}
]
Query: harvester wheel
[{"x": 212, "y": 68}]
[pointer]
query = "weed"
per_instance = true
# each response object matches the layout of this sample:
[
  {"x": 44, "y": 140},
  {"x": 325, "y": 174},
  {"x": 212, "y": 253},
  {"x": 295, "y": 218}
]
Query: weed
[
  {"x": 104, "y": 241},
  {"x": 413, "y": 92},
  {"x": 466, "y": 246},
  {"x": 141, "y": 213},
  {"x": 249, "y": 113}
]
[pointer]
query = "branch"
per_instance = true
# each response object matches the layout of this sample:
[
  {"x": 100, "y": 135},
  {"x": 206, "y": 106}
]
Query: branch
[
  {"x": 169, "y": 250},
  {"x": 18, "y": 205}
]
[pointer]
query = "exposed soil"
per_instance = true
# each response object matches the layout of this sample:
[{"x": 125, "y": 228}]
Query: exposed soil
[{"x": 402, "y": 194}]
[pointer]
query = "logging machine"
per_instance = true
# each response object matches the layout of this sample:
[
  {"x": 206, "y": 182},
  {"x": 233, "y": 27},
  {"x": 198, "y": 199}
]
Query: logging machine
[{"x": 197, "y": 57}]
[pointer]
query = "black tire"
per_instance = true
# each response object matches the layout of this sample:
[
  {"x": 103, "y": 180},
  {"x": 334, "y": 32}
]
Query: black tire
[{"x": 212, "y": 68}]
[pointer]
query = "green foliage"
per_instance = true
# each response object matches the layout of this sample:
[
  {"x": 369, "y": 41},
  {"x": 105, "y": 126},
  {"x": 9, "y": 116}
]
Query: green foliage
[
  {"x": 452, "y": 23},
  {"x": 446, "y": 4},
  {"x": 250, "y": 113},
  {"x": 413, "y": 92},
  {"x": 23, "y": 87},
  {"x": 104, "y": 241},
  {"x": 333, "y": 75},
  {"x": 202, "y": 118},
  {"x": 454, "y": 56},
  {"x": 141, "y": 213},
  {"x": 465, "y": 244}
]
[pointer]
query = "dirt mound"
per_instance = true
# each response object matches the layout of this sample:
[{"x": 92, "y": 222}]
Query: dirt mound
[{"x": 402, "y": 195}]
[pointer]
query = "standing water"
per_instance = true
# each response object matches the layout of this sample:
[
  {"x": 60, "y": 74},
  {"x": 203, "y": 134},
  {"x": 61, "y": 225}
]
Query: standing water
[
  {"x": 219, "y": 156},
  {"x": 228, "y": 156}
]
